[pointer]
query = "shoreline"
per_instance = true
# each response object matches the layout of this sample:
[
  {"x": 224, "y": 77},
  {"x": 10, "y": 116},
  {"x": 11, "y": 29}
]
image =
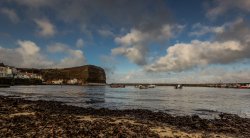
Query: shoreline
[
  {"x": 106, "y": 84},
  {"x": 19, "y": 117}
]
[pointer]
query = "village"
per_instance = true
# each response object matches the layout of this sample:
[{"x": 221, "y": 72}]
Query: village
[{"x": 10, "y": 73}]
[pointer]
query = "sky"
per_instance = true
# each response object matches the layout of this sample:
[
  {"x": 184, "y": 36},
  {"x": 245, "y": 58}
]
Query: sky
[{"x": 150, "y": 41}]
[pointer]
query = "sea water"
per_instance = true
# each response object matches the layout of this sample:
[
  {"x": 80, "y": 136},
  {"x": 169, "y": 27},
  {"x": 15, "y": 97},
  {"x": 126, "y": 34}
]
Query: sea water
[{"x": 206, "y": 102}]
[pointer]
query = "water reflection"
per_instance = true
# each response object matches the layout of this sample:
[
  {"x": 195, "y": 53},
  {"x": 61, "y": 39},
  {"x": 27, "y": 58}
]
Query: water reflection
[{"x": 203, "y": 101}]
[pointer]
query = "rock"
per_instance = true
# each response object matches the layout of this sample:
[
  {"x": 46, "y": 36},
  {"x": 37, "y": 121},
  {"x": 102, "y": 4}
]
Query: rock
[{"x": 56, "y": 119}]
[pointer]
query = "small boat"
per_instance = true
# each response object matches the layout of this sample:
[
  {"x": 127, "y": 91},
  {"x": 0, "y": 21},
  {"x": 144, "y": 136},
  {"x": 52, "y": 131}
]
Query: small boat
[
  {"x": 143, "y": 87},
  {"x": 117, "y": 86},
  {"x": 245, "y": 86},
  {"x": 151, "y": 86},
  {"x": 178, "y": 86}
]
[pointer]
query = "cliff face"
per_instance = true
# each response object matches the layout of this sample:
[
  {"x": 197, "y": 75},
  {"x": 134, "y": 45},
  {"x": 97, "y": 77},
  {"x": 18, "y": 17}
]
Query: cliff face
[
  {"x": 95, "y": 74},
  {"x": 84, "y": 74}
]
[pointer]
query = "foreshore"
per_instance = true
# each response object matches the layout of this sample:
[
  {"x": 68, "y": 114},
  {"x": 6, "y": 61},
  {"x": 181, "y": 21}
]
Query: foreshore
[{"x": 24, "y": 118}]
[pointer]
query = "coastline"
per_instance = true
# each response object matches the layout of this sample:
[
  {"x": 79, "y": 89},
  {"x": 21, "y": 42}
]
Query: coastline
[{"x": 24, "y": 118}]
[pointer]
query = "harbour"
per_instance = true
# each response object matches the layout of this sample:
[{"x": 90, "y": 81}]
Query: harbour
[{"x": 204, "y": 101}]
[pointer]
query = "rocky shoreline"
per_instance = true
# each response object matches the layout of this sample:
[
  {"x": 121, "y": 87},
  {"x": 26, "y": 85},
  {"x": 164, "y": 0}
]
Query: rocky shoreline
[{"x": 24, "y": 118}]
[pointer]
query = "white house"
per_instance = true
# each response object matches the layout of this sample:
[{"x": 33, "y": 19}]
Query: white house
[
  {"x": 72, "y": 81},
  {"x": 2, "y": 71},
  {"x": 9, "y": 72},
  {"x": 22, "y": 75},
  {"x": 60, "y": 81},
  {"x": 26, "y": 75},
  {"x": 5, "y": 71}
]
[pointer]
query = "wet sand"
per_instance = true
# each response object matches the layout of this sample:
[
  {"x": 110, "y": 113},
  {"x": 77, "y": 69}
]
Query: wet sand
[{"x": 24, "y": 118}]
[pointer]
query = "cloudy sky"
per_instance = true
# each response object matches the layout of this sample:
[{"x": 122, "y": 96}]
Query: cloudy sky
[{"x": 133, "y": 40}]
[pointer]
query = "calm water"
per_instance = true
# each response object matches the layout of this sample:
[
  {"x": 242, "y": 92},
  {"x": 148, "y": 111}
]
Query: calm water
[{"x": 207, "y": 102}]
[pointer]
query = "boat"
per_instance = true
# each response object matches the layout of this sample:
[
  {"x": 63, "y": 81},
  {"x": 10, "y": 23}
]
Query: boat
[
  {"x": 178, "y": 86},
  {"x": 151, "y": 86},
  {"x": 142, "y": 87},
  {"x": 117, "y": 86},
  {"x": 245, "y": 86}
]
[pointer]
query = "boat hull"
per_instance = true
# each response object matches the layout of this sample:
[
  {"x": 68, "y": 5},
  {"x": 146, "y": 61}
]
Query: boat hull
[{"x": 244, "y": 87}]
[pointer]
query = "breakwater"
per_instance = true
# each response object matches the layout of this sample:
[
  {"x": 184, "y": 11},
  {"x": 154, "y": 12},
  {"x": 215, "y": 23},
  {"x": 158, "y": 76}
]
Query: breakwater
[{"x": 216, "y": 85}]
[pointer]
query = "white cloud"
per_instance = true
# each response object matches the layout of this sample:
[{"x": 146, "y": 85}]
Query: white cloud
[
  {"x": 184, "y": 56},
  {"x": 29, "y": 55},
  {"x": 134, "y": 45},
  {"x": 202, "y": 29},
  {"x": 10, "y": 57},
  {"x": 135, "y": 54},
  {"x": 132, "y": 38},
  {"x": 11, "y": 14},
  {"x": 46, "y": 28},
  {"x": 57, "y": 48},
  {"x": 136, "y": 36},
  {"x": 79, "y": 43},
  {"x": 222, "y": 6},
  {"x": 228, "y": 46},
  {"x": 26, "y": 55},
  {"x": 73, "y": 57},
  {"x": 28, "y": 47}
]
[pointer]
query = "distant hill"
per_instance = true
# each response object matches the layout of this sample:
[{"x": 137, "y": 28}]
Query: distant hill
[{"x": 86, "y": 73}]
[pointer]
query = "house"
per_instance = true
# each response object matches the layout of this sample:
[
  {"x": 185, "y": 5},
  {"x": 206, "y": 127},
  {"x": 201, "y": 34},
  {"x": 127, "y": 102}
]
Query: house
[
  {"x": 72, "y": 81},
  {"x": 9, "y": 72},
  {"x": 26, "y": 75},
  {"x": 22, "y": 75},
  {"x": 14, "y": 71},
  {"x": 60, "y": 81},
  {"x": 2, "y": 70},
  {"x": 5, "y": 71},
  {"x": 36, "y": 76}
]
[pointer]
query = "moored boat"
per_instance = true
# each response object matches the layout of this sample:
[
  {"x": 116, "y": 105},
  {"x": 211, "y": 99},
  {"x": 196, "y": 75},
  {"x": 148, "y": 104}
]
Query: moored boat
[
  {"x": 151, "y": 86},
  {"x": 143, "y": 87},
  {"x": 178, "y": 86},
  {"x": 245, "y": 86},
  {"x": 117, "y": 86}
]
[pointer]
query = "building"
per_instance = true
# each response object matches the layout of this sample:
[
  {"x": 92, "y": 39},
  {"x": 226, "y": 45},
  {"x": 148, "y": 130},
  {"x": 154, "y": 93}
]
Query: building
[
  {"x": 5, "y": 71},
  {"x": 14, "y": 71},
  {"x": 21, "y": 75},
  {"x": 2, "y": 70},
  {"x": 72, "y": 81},
  {"x": 60, "y": 81},
  {"x": 26, "y": 75},
  {"x": 9, "y": 72}
]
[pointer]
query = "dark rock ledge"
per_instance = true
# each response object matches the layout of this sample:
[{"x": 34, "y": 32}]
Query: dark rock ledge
[{"x": 24, "y": 118}]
